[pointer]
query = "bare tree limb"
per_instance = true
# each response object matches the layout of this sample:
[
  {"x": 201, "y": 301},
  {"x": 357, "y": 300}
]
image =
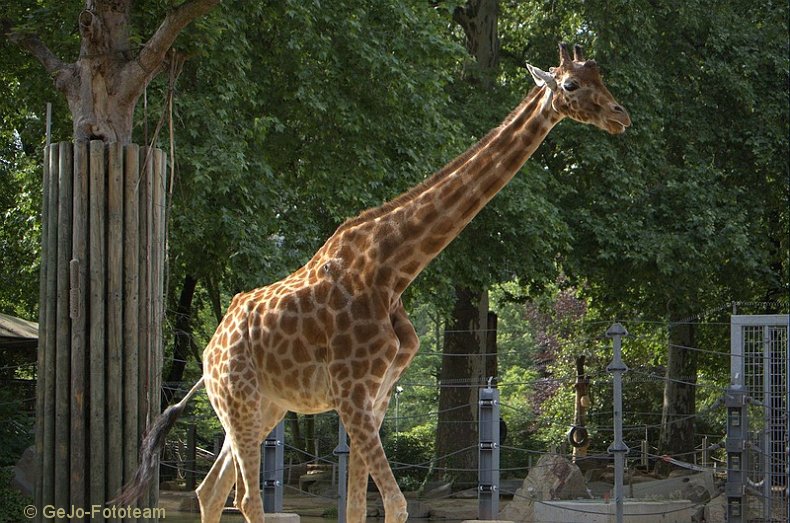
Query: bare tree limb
[
  {"x": 153, "y": 53},
  {"x": 33, "y": 44},
  {"x": 62, "y": 73}
]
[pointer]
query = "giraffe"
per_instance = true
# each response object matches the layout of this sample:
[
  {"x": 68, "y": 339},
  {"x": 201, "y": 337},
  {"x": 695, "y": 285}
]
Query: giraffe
[{"x": 334, "y": 335}]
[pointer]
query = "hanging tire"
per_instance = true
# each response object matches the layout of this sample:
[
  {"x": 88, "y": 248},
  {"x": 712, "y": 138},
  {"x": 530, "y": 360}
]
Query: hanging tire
[{"x": 578, "y": 436}]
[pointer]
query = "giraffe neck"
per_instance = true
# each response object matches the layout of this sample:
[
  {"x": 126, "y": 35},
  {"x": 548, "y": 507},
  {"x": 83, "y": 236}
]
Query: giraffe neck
[{"x": 400, "y": 238}]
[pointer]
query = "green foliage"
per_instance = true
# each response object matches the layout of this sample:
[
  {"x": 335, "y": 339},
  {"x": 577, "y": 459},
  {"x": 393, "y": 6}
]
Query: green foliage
[
  {"x": 16, "y": 431},
  {"x": 412, "y": 447},
  {"x": 291, "y": 116},
  {"x": 20, "y": 228},
  {"x": 303, "y": 118},
  {"x": 675, "y": 215},
  {"x": 12, "y": 502}
]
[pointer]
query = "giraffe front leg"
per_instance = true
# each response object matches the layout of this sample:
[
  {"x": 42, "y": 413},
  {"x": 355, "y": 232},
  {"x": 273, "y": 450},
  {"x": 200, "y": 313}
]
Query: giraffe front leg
[{"x": 357, "y": 500}]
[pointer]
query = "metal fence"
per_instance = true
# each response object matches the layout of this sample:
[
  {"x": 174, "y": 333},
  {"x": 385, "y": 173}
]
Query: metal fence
[{"x": 758, "y": 423}]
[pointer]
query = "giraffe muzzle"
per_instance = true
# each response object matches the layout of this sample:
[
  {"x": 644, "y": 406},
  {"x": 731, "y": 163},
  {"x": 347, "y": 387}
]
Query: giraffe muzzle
[{"x": 619, "y": 120}]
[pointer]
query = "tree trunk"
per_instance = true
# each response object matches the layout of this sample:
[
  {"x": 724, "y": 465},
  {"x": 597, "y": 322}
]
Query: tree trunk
[
  {"x": 103, "y": 85},
  {"x": 182, "y": 341},
  {"x": 677, "y": 417},
  {"x": 478, "y": 19},
  {"x": 309, "y": 436},
  {"x": 296, "y": 438},
  {"x": 465, "y": 365},
  {"x": 463, "y": 371},
  {"x": 101, "y": 101}
]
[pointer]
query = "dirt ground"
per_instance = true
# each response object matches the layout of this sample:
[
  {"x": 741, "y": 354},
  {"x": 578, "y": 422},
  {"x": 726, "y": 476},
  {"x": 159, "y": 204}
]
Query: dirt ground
[{"x": 180, "y": 504}]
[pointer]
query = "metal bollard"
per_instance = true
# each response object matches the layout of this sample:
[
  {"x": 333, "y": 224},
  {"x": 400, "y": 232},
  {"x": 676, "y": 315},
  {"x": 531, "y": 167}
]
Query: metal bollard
[
  {"x": 272, "y": 471},
  {"x": 736, "y": 401},
  {"x": 341, "y": 451},
  {"x": 618, "y": 447},
  {"x": 488, "y": 475}
]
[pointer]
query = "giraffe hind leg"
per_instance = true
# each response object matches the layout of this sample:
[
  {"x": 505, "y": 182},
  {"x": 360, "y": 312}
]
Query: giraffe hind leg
[
  {"x": 366, "y": 438},
  {"x": 240, "y": 490},
  {"x": 247, "y": 433},
  {"x": 215, "y": 487},
  {"x": 248, "y": 463},
  {"x": 358, "y": 470}
]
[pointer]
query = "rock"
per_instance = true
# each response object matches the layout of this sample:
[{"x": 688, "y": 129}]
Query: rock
[
  {"x": 699, "y": 488},
  {"x": 437, "y": 489},
  {"x": 24, "y": 472},
  {"x": 418, "y": 510},
  {"x": 716, "y": 509},
  {"x": 318, "y": 481},
  {"x": 552, "y": 478}
]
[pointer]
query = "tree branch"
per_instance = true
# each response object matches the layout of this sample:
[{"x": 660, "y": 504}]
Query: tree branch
[
  {"x": 62, "y": 73},
  {"x": 33, "y": 45},
  {"x": 152, "y": 54}
]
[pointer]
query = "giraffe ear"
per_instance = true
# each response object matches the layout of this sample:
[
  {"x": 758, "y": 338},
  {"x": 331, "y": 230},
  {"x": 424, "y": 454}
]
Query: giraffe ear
[{"x": 542, "y": 78}]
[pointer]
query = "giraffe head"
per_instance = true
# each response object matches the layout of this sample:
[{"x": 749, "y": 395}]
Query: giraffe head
[{"x": 578, "y": 92}]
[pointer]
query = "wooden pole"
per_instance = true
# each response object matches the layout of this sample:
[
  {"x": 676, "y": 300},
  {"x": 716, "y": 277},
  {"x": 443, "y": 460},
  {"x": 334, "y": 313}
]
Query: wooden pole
[
  {"x": 145, "y": 314},
  {"x": 63, "y": 336},
  {"x": 79, "y": 324},
  {"x": 114, "y": 301},
  {"x": 131, "y": 309},
  {"x": 48, "y": 451},
  {"x": 42, "y": 333},
  {"x": 578, "y": 437},
  {"x": 158, "y": 263},
  {"x": 191, "y": 457},
  {"x": 97, "y": 324}
]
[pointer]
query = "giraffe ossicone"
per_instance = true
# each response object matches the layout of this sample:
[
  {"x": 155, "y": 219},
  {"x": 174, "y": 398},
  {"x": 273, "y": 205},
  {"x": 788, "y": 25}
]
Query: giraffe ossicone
[{"x": 334, "y": 334}]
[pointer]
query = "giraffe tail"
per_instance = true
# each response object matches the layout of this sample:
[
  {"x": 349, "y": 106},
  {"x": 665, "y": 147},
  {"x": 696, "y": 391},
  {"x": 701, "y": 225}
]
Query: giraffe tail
[{"x": 151, "y": 446}]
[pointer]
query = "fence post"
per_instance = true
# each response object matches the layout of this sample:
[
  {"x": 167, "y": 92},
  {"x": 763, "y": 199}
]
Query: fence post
[
  {"x": 705, "y": 453},
  {"x": 219, "y": 441},
  {"x": 488, "y": 473},
  {"x": 191, "y": 466},
  {"x": 735, "y": 400},
  {"x": 341, "y": 451},
  {"x": 618, "y": 447},
  {"x": 272, "y": 472}
]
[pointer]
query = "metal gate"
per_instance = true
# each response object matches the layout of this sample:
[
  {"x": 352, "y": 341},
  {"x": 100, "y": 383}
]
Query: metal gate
[{"x": 759, "y": 369}]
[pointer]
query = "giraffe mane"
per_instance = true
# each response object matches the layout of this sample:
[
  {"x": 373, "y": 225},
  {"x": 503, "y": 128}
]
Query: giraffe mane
[{"x": 449, "y": 168}]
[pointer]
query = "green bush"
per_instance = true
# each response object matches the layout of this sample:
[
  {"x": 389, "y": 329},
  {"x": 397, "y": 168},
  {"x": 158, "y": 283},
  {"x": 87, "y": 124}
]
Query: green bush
[
  {"x": 16, "y": 431},
  {"x": 412, "y": 447},
  {"x": 12, "y": 502}
]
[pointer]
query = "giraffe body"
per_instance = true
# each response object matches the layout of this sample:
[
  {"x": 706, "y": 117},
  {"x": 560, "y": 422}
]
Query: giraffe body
[{"x": 334, "y": 334}]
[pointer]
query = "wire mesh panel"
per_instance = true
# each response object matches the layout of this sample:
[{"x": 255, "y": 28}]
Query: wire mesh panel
[{"x": 760, "y": 364}]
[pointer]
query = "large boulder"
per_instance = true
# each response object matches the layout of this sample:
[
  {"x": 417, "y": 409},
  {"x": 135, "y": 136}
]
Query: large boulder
[
  {"x": 697, "y": 487},
  {"x": 25, "y": 472},
  {"x": 552, "y": 478},
  {"x": 716, "y": 509}
]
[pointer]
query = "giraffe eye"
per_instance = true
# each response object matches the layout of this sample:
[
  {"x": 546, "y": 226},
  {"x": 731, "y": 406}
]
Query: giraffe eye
[{"x": 570, "y": 85}]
